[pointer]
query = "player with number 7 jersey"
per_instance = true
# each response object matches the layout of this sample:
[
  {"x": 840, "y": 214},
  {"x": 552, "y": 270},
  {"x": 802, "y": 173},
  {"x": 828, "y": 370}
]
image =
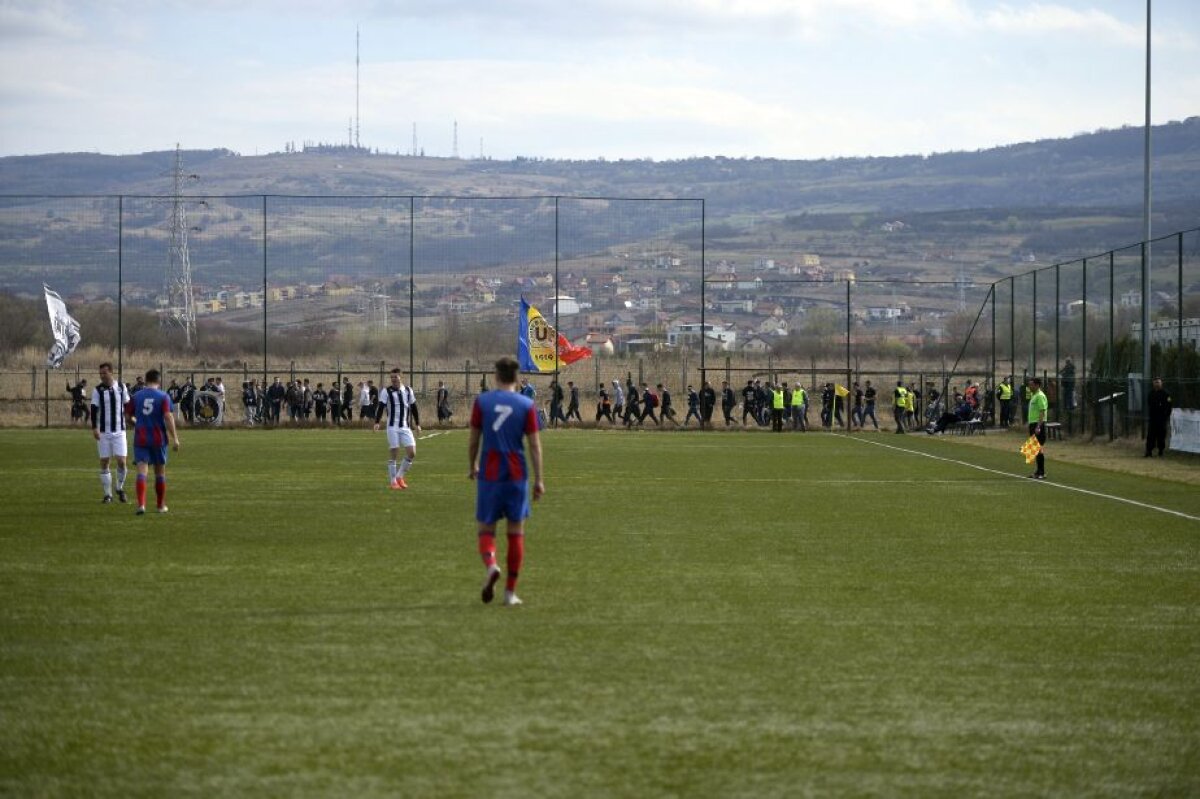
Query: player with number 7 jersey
[{"x": 500, "y": 422}]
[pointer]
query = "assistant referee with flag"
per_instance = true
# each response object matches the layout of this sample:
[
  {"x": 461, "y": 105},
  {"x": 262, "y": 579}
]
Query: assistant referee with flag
[{"x": 1038, "y": 404}]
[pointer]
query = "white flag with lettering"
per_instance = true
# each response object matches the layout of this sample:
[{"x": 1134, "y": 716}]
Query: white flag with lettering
[{"x": 63, "y": 326}]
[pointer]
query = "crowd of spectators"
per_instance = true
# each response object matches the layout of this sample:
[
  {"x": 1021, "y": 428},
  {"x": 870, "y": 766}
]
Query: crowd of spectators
[{"x": 629, "y": 404}]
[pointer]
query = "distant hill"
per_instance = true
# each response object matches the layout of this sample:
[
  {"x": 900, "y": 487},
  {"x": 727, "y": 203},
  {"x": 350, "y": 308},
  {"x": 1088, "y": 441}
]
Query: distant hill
[
  {"x": 1093, "y": 170},
  {"x": 991, "y": 212}
]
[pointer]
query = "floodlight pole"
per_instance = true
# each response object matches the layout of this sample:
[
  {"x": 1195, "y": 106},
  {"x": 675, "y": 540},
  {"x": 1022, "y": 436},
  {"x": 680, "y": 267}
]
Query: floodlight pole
[
  {"x": 121, "y": 285},
  {"x": 1146, "y": 237}
]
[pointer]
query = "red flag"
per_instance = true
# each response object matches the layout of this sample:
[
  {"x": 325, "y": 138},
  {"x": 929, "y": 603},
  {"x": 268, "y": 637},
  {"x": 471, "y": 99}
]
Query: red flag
[{"x": 568, "y": 353}]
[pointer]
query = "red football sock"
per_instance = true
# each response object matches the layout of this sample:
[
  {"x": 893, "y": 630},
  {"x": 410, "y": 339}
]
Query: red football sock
[
  {"x": 516, "y": 554},
  {"x": 141, "y": 490},
  {"x": 160, "y": 489},
  {"x": 487, "y": 548}
]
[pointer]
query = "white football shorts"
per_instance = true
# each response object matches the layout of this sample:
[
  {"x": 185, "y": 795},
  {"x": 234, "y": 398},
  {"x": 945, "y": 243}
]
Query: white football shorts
[
  {"x": 400, "y": 437},
  {"x": 112, "y": 445}
]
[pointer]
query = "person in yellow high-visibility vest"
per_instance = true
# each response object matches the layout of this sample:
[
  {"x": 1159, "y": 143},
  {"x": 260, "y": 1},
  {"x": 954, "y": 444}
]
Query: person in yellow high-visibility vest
[
  {"x": 777, "y": 406},
  {"x": 910, "y": 408},
  {"x": 799, "y": 408},
  {"x": 1004, "y": 393},
  {"x": 900, "y": 405}
]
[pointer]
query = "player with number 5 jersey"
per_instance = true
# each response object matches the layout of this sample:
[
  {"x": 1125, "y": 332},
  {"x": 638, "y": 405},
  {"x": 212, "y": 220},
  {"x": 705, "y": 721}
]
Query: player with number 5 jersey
[
  {"x": 501, "y": 420},
  {"x": 153, "y": 423}
]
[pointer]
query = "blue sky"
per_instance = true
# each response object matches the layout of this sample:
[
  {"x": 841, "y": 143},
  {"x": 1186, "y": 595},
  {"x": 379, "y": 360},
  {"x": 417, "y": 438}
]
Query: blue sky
[{"x": 588, "y": 78}]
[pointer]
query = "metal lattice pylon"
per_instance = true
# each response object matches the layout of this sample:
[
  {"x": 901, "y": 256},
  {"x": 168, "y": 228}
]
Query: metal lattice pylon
[{"x": 181, "y": 299}]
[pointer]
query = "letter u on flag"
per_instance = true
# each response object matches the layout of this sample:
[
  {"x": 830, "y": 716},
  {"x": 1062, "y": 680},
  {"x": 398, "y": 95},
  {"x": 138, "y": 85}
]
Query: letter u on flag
[
  {"x": 63, "y": 327},
  {"x": 1030, "y": 449},
  {"x": 538, "y": 343}
]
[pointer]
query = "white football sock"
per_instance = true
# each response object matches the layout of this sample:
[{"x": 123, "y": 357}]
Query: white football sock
[
  {"x": 121, "y": 473},
  {"x": 391, "y": 471},
  {"x": 405, "y": 465},
  {"x": 106, "y": 482}
]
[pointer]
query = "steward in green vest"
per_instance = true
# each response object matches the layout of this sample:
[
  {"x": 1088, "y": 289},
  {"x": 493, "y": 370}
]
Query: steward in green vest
[
  {"x": 799, "y": 401},
  {"x": 1004, "y": 393},
  {"x": 777, "y": 406},
  {"x": 901, "y": 397}
]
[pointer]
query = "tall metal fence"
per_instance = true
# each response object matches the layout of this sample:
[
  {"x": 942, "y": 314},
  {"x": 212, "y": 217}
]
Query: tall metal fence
[
  {"x": 337, "y": 288},
  {"x": 1077, "y": 326},
  {"x": 333, "y": 287}
]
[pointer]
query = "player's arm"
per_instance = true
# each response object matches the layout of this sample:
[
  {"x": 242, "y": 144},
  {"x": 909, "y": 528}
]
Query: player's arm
[
  {"x": 535, "y": 456},
  {"x": 169, "y": 418},
  {"x": 416, "y": 416},
  {"x": 380, "y": 409},
  {"x": 95, "y": 413},
  {"x": 473, "y": 441},
  {"x": 473, "y": 452}
]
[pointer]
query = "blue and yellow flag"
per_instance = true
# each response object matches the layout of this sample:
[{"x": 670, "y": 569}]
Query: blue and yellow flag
[{"x": 538, "y": 343}]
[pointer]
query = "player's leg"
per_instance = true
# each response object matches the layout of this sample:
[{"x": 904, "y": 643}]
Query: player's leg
[
  {"x": 142, "y": 459},
  {"x": 487, "y": 552},
  {"x": 122, "y": 473},
  {"x": 120, "y": 453},
  {"x": 515, "y": 509},
  {"x": 393, "y": 468},
  {"x": 160, "y": 484},
  {"x": 514, "y": 559},
  {"x": 105, "y": 474},
  {"x": 410, "y": 455}
]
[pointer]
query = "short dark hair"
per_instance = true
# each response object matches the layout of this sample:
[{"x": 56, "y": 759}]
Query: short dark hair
[
  {"x": 1035, "y": 381},
  {"x": 506, "y": 369},
  {"x": 105, "y": 365},
  {"x": 397, "y": 371},
  {"x": 152, "y": 376}
]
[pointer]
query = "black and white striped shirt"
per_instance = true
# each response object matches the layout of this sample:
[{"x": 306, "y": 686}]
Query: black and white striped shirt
[
  {"x": 108, "y": 407},
  {"x": 400, "y": 405}
]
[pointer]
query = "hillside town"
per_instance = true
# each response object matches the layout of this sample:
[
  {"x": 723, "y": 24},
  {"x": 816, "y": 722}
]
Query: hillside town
[{"x": 623, "y": 303}]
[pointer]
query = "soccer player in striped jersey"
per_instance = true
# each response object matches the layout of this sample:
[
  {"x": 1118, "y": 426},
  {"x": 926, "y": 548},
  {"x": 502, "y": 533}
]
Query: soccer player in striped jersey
[
  {"x": 109, "y": 399},
  {"x": 500, "y": 420},
  {"x": 153, "y": 421},
  {"x": 399, "y": 405}
]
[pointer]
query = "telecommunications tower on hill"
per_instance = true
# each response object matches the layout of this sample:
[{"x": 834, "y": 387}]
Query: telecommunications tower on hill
[
  {"x": 357, "y": 141},
  {"x": 181, "y": 299}
]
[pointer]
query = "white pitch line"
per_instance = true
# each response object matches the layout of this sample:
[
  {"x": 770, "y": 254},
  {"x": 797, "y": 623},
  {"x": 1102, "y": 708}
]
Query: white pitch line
[
  {"x": 431, "y": 435},
  {"x": 1114, "y": 498}
]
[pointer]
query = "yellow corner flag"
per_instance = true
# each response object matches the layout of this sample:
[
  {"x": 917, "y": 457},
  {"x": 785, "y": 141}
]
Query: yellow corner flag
[
  {"x": 1030, "y": 449},
  {"x": 841, "y": 390}
]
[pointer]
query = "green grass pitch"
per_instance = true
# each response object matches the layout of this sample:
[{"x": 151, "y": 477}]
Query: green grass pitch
[{"x": 706, "y": 615}]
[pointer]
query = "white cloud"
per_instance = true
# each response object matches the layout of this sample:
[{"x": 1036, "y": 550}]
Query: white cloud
[
  {"x": 37, "y": 20},
  {"x": 1039, "y": 19}
]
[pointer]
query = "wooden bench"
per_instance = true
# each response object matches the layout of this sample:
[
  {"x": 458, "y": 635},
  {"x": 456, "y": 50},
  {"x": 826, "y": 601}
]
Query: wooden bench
[{"x": 1053, "y": 430}]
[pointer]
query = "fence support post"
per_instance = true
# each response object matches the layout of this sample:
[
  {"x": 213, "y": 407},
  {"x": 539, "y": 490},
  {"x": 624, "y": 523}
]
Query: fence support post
[
  {"x": 1088, "y": 393},
  {"x": 1112, "y": 415}
]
